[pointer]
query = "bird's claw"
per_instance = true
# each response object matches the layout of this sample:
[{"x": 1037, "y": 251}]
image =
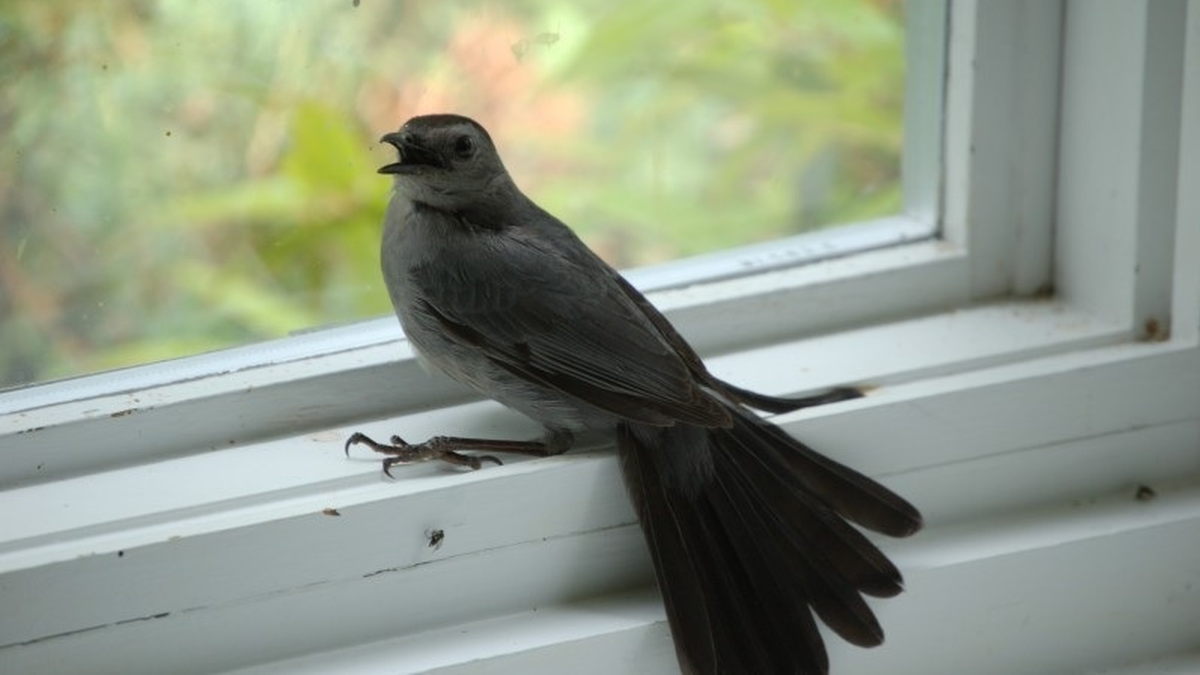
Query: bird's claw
[
  {"x": 403, "y": 452},
  {"x": 354, "y": 439}
]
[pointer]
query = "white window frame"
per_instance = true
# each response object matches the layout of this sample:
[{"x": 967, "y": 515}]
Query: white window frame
[{"x": 1043, "y": 409}]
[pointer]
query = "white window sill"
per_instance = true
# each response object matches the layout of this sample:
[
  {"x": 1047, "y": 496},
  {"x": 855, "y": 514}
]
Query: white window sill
[
  {"x": 976, "y": 414},
  {"x": 881, "y": 357}
]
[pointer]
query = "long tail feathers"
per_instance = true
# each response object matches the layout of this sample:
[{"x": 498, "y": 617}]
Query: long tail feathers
[{"x": 748, "y": 548}]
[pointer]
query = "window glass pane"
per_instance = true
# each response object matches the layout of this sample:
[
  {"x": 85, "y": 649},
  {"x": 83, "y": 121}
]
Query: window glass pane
[{"x": 180, "y": 176}]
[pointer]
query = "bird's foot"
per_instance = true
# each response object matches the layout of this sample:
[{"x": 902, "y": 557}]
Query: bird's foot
[{"x": 443, "y": 448}]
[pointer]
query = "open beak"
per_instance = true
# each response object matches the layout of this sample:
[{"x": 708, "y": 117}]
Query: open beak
[{"x": 413, "y": 156}]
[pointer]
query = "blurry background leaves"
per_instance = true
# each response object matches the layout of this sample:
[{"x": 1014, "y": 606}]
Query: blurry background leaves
[{"x": 181, "y": 176}]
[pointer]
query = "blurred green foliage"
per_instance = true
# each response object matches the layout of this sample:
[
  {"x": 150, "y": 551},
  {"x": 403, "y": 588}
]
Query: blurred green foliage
[{"x": 182, "y": 176}]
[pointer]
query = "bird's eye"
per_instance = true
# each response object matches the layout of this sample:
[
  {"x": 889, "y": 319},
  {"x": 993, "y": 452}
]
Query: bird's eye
[{"x": 464, "y": 147}]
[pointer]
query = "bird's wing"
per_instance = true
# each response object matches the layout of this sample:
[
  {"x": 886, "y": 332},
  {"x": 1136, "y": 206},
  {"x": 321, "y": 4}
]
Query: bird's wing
[{"x": 560, "y": 317}]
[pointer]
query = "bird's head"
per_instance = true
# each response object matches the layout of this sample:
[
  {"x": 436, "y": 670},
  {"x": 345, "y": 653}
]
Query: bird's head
[{"x": 445, "y": 161}]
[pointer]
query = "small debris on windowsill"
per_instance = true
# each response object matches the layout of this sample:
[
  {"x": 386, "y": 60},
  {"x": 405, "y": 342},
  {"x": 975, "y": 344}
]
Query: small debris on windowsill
[
  {"x": 436, "y": 537},
  {"x": 1155, "y": 331}
]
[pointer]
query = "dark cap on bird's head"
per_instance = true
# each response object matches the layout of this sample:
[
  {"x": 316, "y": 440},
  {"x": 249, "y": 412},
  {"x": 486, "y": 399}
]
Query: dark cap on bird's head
[{"x": 438, "y": 142}]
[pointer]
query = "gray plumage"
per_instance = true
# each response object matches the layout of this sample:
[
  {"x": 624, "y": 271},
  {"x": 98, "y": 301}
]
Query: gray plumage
[{"x": 746, "y": 525}]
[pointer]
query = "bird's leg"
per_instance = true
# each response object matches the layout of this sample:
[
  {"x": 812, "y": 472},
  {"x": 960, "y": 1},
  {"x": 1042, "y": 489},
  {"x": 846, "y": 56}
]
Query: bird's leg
[{"x": 449, "y": 449}]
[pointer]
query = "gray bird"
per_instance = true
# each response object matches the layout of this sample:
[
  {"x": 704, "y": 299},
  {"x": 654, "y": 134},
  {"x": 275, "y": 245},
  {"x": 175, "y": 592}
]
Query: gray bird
[{"x": 748, "y": 527}]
